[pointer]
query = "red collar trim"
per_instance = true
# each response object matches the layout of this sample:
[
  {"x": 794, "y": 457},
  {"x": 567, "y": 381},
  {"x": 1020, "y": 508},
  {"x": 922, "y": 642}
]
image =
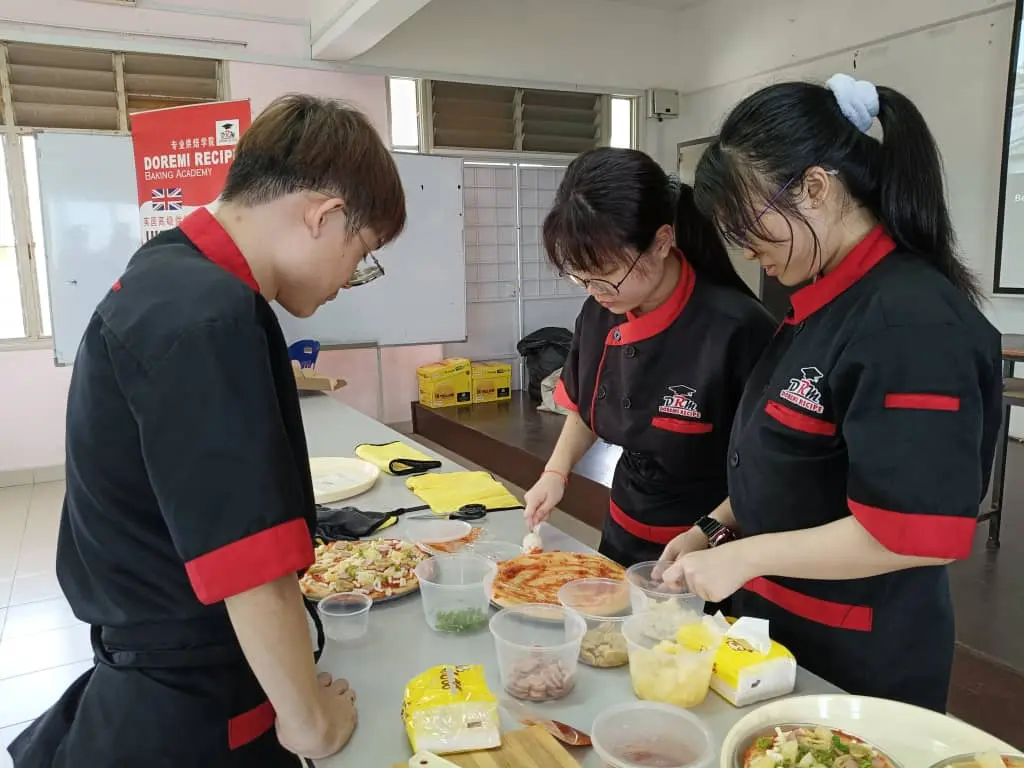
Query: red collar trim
[
  {"x": 858, "y": 262},
  {"x": 207, "y": 234},
  {"x": 637, "y": 329}
]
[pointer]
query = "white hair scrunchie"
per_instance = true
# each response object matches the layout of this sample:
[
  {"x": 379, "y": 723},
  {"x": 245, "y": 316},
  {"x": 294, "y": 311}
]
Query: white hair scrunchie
[{"x": 858, "y": 100}]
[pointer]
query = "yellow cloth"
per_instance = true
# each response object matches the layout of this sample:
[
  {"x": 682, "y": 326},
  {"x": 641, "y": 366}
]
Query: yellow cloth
[
  {"x": 392, "y": 458},
  {"x": 448, "y": 491}
]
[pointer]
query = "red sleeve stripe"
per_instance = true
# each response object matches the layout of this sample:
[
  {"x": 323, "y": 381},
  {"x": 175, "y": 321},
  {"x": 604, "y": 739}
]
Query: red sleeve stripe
[
  {"x": 682, "y": 426},
  {"x": 251, "y": 562},
  {"x": 941, "y": 536},
  {"x": 249, "y": 726},
  {"x": 922, "y": 402},
  {"x": 801, "y": 422},
  {"x": 562, "y": 397},
  {"x": 859, "y": 618}
]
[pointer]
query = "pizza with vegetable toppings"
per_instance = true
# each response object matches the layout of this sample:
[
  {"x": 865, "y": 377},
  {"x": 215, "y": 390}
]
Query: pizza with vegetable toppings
[
  {"x": 813, "y": 747},
  {"x": 537, "y": 578},
  {"x": 379, "y": 568}
]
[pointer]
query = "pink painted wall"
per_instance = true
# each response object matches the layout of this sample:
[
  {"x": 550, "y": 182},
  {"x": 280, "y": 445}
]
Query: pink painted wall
[{"x": 33, "y": 393}]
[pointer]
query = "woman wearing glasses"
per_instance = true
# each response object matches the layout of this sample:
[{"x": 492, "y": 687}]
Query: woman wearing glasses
[
  {"x": 863, "y": 443},
  {"x": 661, "y": 352}
]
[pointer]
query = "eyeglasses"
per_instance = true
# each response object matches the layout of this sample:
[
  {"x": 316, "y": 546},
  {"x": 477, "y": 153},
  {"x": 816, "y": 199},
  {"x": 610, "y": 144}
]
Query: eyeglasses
[
  {"x": 742, "y": 239},
  {"x": 603, "y": 287},
  {"x": 369, "y": 268}
]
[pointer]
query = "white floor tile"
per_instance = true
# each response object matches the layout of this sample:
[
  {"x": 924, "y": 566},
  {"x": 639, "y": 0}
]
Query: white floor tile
[
  {"x": 26, "y": 697},
  {"x": 32, "y": 618},
  {"x": 7, "y": 735},
  {"x": 14, "y": 508},
  {"x": 44, "y": 650},
  {"x": 6, "y": 585},
  {"x": 34, "y": 587}
]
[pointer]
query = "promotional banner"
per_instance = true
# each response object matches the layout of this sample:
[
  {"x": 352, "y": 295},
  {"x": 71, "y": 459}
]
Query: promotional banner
[{"x": 182, "y": 156}]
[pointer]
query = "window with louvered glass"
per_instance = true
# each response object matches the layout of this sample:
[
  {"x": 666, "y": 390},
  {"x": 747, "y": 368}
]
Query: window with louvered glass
[
  {"x": 78, "y": 88},
  {"x": 473, "y": 116}
]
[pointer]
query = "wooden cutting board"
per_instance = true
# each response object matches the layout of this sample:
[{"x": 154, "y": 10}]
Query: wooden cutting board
[{"x": 528, "y": 748}]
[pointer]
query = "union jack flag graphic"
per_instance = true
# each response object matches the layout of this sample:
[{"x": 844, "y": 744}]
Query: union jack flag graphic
[{"x": 167, "y": 199}]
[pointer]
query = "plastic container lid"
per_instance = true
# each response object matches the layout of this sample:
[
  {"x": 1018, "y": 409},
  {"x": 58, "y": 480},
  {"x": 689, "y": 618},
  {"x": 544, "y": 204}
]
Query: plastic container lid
[
  {"x": 600, "y": 599},
  {"x": 496, "y": 551},
  {"x": 438, "y": 531},
  {"x": 649, "y": 735}
]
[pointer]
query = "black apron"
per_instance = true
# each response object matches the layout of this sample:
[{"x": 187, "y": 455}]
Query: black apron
[{"x": 150, "y": 702}]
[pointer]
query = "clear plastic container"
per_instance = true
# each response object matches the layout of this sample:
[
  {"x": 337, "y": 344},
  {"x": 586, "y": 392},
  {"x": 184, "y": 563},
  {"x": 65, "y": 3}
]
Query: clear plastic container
[
  {"x": 671, "y": 655},
  {"x": 345, "y": 616},
  {"x": 456, "y": 591},
  {"x": 648, "y": 735},
  {"x": 498, "y": 551},
  {"x": 648, "y": 592},
  {"x": 538, "y": 647},
  {"x": 604, "y": 605}
]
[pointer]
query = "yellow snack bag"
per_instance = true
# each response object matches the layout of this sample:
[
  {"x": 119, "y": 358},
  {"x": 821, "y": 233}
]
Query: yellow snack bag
[{"x": 450, "y": 709}]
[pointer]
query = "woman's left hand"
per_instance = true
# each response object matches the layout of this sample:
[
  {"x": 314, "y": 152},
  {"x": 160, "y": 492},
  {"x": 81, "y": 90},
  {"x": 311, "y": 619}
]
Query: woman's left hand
[{"x": 713, "y": 574}]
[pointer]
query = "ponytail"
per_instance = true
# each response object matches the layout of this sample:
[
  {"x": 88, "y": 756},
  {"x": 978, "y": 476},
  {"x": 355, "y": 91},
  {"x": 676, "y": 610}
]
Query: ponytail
[
  {"x": 912, "y": 202},
  {"x": 699, "y": 240}
]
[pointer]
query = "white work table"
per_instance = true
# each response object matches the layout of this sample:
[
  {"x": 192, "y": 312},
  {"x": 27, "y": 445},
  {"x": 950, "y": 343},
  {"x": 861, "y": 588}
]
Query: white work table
[{"x": 400, "y": 645}]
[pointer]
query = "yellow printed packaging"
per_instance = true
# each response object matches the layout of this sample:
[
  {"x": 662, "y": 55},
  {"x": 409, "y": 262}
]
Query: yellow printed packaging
[
  {"x": 450, "y": 709},
  {"x": 744, "y": 675},
  {"x": 492, "y": 382},
  {"x": 449, "y": 382}
]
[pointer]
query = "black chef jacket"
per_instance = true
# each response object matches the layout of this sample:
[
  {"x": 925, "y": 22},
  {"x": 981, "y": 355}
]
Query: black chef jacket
[
  {"x": 880, "y": 397},
  {"x": 187, "y": 483},
  {"x": 664, "y": 386}
]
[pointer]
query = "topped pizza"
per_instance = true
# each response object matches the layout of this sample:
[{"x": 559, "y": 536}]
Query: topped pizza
[
  {"x": 379, "y": 568},
  {"x": 536, "y": 578},
  {"x": 799, "y": 746}
]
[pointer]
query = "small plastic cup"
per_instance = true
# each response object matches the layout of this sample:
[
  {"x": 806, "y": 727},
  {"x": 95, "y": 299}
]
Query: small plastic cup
[
  {"x": 456, "y": 591},
  {"x": 641, "y": 734},
  {"x": 538, "y": 648},
  {"x": 671, "y": 655},
  {"x": 647, "y": 592},
  {"x": 604, "y": 605},
  {"x": 345, "y": 616},
  {"x": 496, "y": 551}
]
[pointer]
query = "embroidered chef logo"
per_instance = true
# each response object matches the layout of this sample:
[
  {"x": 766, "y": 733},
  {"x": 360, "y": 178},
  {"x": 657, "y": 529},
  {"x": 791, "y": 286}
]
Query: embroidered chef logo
[
  {"x": 680, "y": 402},
  {"x": 803, "y": 391}
]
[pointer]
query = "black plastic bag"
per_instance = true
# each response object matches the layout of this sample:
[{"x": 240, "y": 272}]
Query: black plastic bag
[{"x": 545, "y": 351}]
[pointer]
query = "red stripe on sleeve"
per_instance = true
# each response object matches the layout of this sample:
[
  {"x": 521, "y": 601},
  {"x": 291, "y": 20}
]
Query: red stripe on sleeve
[
  {"x": 922, "y": 402},
  {"x": 940, "y": 536},
  {"x": 251, "y": 562},
  {"x": 562, "y": 397},
  {"x": 839, "y": 615},
  {"x": 250, "y": 725},
  {"x": 801, "y": 422},
  {"x": 682, "y": 426}
]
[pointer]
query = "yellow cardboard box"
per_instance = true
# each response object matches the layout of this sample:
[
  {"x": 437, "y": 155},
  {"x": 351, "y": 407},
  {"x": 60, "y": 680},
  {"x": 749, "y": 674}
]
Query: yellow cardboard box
[
  {"x": 449, "y": 382},
  {"x": 492, "y": 382}
]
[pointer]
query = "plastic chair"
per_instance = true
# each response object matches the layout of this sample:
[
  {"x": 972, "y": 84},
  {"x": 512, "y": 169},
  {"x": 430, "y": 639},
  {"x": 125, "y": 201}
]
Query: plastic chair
[{"x": 305, "y": 351}]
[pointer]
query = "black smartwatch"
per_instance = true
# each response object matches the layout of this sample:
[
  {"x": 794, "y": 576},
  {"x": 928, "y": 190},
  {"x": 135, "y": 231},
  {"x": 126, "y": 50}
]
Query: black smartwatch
[{"x": 717, "y": 532}]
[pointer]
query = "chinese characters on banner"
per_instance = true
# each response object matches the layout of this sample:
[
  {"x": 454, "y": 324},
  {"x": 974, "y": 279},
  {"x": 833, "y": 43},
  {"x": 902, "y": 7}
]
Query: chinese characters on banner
[{"x": 182, "y": 157}]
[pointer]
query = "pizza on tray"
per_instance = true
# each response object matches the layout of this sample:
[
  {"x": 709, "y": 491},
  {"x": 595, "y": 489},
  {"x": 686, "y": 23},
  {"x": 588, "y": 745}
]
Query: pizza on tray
[
  {"x": 798, "y": 746},
  {"x": 536, "y": 578},
  {"x": 379, "y": 568}
]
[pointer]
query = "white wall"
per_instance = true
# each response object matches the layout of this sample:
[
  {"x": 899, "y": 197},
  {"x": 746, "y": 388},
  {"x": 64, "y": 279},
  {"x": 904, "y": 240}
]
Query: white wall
[{"x": 590, "y": 43}]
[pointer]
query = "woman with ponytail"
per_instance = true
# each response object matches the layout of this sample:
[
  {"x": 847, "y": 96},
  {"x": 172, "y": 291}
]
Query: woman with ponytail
[
  {"x": 661, "y": 352},
  {"x": 864, "y": 439}
]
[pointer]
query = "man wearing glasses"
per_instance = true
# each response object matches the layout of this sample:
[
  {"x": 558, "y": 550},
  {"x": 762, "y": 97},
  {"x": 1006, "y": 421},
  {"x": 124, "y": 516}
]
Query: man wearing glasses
[{"x": 189, "y": 504}]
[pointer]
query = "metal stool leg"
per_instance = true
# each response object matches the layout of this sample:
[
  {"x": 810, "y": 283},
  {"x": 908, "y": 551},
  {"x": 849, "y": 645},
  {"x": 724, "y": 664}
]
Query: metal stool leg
[{"x": 995, "y": 511}]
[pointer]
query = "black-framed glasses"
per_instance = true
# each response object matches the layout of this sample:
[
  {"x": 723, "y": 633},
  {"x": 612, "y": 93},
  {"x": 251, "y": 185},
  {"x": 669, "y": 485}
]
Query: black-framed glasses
[
  {"x": 369, "y": 268},
  {"x": 601, "y": 286}
]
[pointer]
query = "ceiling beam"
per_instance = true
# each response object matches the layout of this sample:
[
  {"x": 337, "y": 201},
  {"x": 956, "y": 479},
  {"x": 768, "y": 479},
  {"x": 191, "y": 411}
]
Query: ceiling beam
[{"x": 354, "y": 27}]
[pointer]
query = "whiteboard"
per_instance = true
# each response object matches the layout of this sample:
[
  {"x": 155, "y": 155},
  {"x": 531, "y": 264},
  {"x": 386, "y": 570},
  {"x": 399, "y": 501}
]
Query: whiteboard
[
  {"x": 422, "y": 297},
  {"x": 91, "y": 228}
]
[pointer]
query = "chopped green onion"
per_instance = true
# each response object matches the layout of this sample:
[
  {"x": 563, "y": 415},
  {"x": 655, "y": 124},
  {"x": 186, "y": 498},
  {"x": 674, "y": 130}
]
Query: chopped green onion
[{"x": 464, "y": 620}]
